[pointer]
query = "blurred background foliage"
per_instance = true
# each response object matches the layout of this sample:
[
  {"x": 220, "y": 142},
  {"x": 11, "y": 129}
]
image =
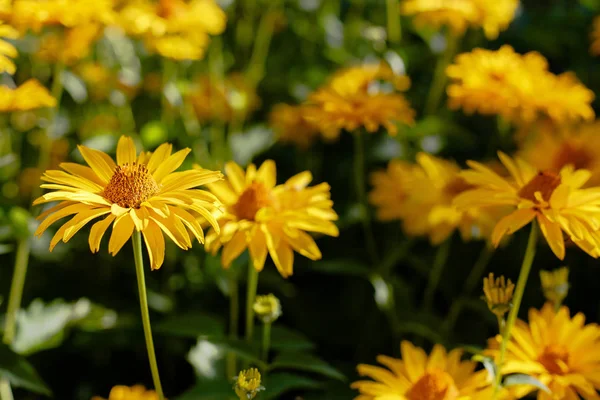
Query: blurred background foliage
[{"x": 80, "y": 326}]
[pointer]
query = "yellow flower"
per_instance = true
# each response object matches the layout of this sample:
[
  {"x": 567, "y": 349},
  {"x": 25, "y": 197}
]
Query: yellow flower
[
  {"x": 30, "y": 95},
  {"x": 7, "y": 50},
  {"x": 137, "y": 392},
  {"x": 266, "y": 218},
  {"x": 140, "y": 192},
  {"x": 552, "y": 149},
  {"x": 517, "y": 87},
  {"x": 458, "y": 15},
  {"x": 247, "y": 384},
  {"x": 291, "y": 125},
  {"x": 555, "y": 285},
  {"x": 175, "y": 29},
  {"x": 355, "y": 97},
  {"x": 391, "y": 188},
  {"x": 595, "y": 37},
  {"x": 561, "y": 352},
  {"x": 440, "y": 376},
  {"x": 498, "y": 294},
  {"x": 69, "y": 46},
  {"x": 267, "y": 308},
  {"x": 555, "y": 200}
]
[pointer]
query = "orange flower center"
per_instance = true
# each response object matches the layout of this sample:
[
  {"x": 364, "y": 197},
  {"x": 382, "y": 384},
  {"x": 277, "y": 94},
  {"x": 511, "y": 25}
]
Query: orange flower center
[
  {"x": 555, "y": 359},
  {"x": 578, "y": 156},
  {"x": 255, "y": 197},
  {"x": 434, "y": 385},
  {"x": 130, "y": 186},
  {"x": 170, "y": 8},
  {"x": 544, "y": 182}
]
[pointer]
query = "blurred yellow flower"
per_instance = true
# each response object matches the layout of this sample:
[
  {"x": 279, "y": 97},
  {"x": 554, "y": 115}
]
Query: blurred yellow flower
[
  {"x": 137, "y": 392},
  {"x": 517, "y": 87},
  {"x": 498, "y": 294},
  {"x": 247, "y": 384},
  {"x": 391, "y": 188},
  {"x": 561, "y": 352},
  {"x": 555, "y": 285},
  {"x": 69, "y": 46},
  {"x": 101, "y": 81},
  {"x": 231, "y": 98},
  {"x": 30, "y": 95},
  {"x": 595, "y": 37},
  {"x": 440, "y": 376},
  {"x": 267, "y": 308},
  {"x": 7, "y": 50},
  {"x": 139, "y": 192},
  {"x": 269, "y": 218},
  {"x": 176, "y": 29},
  {"x": 552, "y": 149},
  {"x": 363, "y": 96},
  {"x": 556, "y": 200},
  {"x": 458, "y": 15},
  {"x": 291, "y": 126}
]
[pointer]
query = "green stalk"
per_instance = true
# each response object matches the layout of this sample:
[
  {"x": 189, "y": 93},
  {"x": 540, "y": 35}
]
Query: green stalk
[
  {"x": 250, "y": 296},
  {"x": 136, "y": 240},
  {"x": 516, "y": 303},
  {"x": 393, "y": 21},
  {"x": 266, "y": 342},
  {"x": 361, "y": 193},
  {"x": 262, "y": 42},
  {"x": 435, "y": 274},
  {"x": 436, "y": 90},
  {"x": 234, "y": 315}
]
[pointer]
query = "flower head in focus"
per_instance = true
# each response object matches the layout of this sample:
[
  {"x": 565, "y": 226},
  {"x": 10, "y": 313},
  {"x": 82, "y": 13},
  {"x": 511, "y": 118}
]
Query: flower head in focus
[
  {"x": 291, "y": 126},
  {"x": 555, "y": 200},
  {"x": 560, "y": 351},
  {"x": 517, "y": 87},
  {"x": 498, "y": 294},
  {"x": 458, "y": 15},
  {"x": 247, "y": 384},
  {"x": 29, "y": 96},
  {"x": 137, "y": 392},
  {"x": 363, "y": 96},
  {"x": 267, "y": 308},
  {"x": 555, "y": 285},
  {"x": 266, "y": 218},
  {"x": 141, "y": 192},
  {"x": 440, "y": 375}
]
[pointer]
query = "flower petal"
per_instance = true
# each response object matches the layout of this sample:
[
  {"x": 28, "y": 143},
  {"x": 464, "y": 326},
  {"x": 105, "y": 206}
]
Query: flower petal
[
  {"x": 121, "y": 232},
  {"x": 126, "y": 151}
]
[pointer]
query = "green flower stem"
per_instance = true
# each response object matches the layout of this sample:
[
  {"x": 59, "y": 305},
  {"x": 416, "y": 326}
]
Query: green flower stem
[
  {"x": 266, "y": 342},
  {"x": 436, "y": 90},
  {"x": 262, "y": 42},
  {"x": 435, "y": 274},
  {"x": 516, "y": 303},
  {"x": 218, "y": 138},
  {"x": 361, "y": 193},
  {"x": 169, "y": 76},
  {"x": 394, "y": 30},
  {"x": 234, "y": 316},
  {"x": 139, "y": 269},
  {"x": 250, "y": 296}
]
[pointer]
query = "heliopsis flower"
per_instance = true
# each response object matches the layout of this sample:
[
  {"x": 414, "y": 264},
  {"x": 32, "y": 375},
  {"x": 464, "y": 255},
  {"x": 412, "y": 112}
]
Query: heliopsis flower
[
  {"x": 595, "y": 37},
  {"x": 555, "y": 285},
  {"x": 517, "y": 87},
  {"x": 291, "y": 126},
  {"x": 552, "y": 149},
  {"x": 364, "y": 96},
  {"x": 141, "y": 192},
  {"x": 175, "y": 29},
  {"x": 556, "y": 200},
  {"x": 30, "y": 95},
  {"x": 137, "y": 392},
  {"x": 440, "y": 376},
  {"x": 69, "y": 46},
  {"x": 561, "y": 352},
  {"x": 498, "y": 294},
  {"x": 247, "y": 384},
  {"x": 268, "y": 218},
  {"x": 391, "y": 188},
  {"x": 458, "y": 15},
  {"x": 267, "y": 308},
  {"x": 7, "y": 50}
]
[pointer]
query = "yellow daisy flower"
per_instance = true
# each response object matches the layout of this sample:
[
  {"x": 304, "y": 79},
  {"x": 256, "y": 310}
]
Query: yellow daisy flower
[
  {"x": 595, "y": 37},
  {"x": 268, "y": 218},
  {"x": 69, "y": 46},
  {"x": 354, "y": 98},
  {"x": 137, "y": 392},
  {"x": 555, "y": 285},
  {"x": 440, "y": 376},
  {"x": 458, "y": 15},
  {"x": 29, "y": 96},
  {"x": 247, "y": 384},
  {"x": 517, "y": 87},
  {"x": 560, "y": 351},
  {"x": 556, "y": 200},
  {"x": 139, "y": 192},
  {"x": 175, "y": 29},
  {"x": 7, "y": 50},
  {"x": 291, "y": 126},
  {"x": 552, "y": 149},
  {"x": 391, "y": 188}
]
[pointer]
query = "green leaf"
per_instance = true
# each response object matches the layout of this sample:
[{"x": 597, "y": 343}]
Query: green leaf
[
  {"x": 20, "y": 221},
  {"x": 210, "y": 390},
  {"x": 305, "y": 362},
  {"x": 283, "y": 338},
  {"x": 241, "y": 348},
  {"x": 282, "y": 382},
  {"x": 191, "y": 325},
  {"x": 19, "y": 372},
  {"x": 340, "y": 267},
  {"x": 522, "y": 379}
]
